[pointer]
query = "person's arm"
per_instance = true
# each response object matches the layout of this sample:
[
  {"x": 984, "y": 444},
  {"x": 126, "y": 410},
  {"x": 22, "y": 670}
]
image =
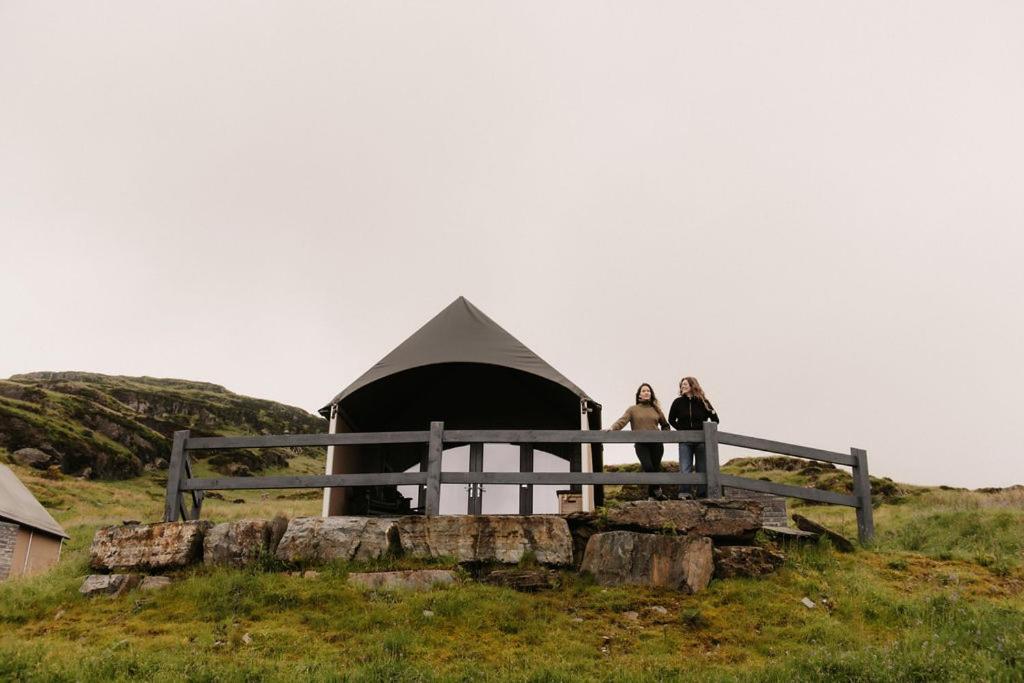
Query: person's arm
[
  {"x": 621, "y": 422},
  {"x": 673, "y": 414},
  {"x": 662, "y": 422},
  {"x": 713, "y": 416}
]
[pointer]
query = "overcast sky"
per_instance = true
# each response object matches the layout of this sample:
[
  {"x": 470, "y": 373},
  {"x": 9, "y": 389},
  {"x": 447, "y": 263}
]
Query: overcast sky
[{"x": 815, "y": 208}]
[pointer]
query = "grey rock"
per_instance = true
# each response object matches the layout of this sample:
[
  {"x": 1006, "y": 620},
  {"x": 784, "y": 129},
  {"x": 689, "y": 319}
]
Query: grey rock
[
  {"x": 717, "y": 518},
  {"x": 32, "y": 457},
  {"x": 785, "y": 533},
  {"x": 153, "y": 583},
  {"x": 841, "y": 543},
  {"x": 808, "y": 603},
  {"x": 148, "y": 547},
  {"x": 108, "y": 584},
  {"x": 413, "y": 580},
  {"x": 488, "y": 538},
  {"x": 323, "y": 539},
  {"x": 658, "y": 609},
  {"x": 428, "y": 613},
  {"x": 629, "y": 558},
  {"x": 237, "y": 544},
  {"x": 745, "y": 560}
]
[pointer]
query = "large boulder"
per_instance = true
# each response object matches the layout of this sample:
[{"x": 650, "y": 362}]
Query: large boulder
[
  {"x": 148, "y": 547},
  {"x": 323, "y": 539},
  {"x": 108, "y": 584},
  {"x": 717, "y": 518},
  {"x": 620, "y": 558},
  {"x": 745, "y": 560},
  {"x": 238, "y": 544},
  {"x": 33, "y": 457},
  {"x": 728, "y": 520},
  {"x": 488, "y": 538}
]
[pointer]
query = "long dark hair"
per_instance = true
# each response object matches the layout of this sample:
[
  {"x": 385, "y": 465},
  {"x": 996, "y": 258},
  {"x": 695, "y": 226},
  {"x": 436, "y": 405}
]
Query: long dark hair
[
  {"x": 696, "y": 390},
  {"x": 654, "y": 399}
]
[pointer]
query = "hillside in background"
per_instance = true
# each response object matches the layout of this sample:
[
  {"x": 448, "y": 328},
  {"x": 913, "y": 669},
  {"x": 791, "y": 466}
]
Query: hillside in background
[{"x": 112, "y": 427}]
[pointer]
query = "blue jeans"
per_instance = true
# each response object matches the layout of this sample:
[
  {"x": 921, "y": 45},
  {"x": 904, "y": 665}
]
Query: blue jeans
[{"x": 692, "y": 459}]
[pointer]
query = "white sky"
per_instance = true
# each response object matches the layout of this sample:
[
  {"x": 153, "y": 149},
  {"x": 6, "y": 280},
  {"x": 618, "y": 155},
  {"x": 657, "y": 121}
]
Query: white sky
[{"x": 815, "y": 208}]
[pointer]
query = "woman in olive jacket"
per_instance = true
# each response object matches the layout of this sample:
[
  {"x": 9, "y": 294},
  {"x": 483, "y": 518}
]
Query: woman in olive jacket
[
  {"x": 690, "y": 411},
  {"x": 646, "y": 414}
]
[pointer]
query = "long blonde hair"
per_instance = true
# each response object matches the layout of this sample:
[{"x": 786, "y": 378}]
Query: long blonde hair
[{"x": 696, "y": 390}]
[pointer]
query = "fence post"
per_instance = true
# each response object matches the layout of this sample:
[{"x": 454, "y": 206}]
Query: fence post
[
  {"x": 862, "y": 490},
  {"x": 434, "y": 450},
  {"x": 172, "y": 504},
  {"x": 476, "y": 491},
  {"x": 526, "y": 490},
  {"x": 714, "y": 488}
]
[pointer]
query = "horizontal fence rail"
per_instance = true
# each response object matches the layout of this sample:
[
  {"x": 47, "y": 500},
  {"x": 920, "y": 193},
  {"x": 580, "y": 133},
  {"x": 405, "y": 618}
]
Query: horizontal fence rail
[{"x": 180, "y": 479}]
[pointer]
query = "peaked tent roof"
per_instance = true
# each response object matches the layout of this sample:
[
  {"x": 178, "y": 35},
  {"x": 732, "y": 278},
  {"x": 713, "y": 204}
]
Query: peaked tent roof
[
  {"x": 461, "y": 333},
  {"x": 17, "y": 503}
]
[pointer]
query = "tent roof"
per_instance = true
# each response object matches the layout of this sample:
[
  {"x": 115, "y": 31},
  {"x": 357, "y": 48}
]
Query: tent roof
[
  {"x": 18, "y": 504},
  {"x": 461, "y": 333}
]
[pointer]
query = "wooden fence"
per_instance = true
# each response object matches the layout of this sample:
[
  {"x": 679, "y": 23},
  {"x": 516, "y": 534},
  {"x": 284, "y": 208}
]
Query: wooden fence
[{"x": 181, "y": 483}]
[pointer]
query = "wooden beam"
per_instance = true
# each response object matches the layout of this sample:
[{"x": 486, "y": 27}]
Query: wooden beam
[
  {"x": 526, "y": 490},
  {"x": 862, "y": 491},
  {"x": 788, "y": 491},
  {"x": 714, "y": 487},
  {"x": 474, "y": 498},
  {"x": 784, "y": 448},
  {"x": 560, "y": 436},
  {"x": 569, "y": 478},
  {"x": 207, "y": 443},
  {"x": 435, "y": 450},
  {"x": 172, "y": 504},
  {"x": 421, "y": 501},
  {"x": 304, "y": 481}
]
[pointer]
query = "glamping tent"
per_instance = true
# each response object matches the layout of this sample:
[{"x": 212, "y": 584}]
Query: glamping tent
[
  {"x": 30, "y": 539},
  {"x": 463, "y": 369}
]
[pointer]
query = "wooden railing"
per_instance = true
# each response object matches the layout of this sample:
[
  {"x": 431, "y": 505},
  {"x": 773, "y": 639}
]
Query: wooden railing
[{"x": 181, "y": 482}]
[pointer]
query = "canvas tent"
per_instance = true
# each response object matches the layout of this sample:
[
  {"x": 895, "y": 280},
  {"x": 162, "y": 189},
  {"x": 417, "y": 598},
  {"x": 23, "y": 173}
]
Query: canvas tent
[
  {"x": 30, "y": 539},
  {"x": 461, "y": 368}
]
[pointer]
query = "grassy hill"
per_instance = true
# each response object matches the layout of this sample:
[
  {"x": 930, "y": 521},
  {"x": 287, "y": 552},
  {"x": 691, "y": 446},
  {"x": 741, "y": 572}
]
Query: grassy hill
[
  {"x": 110, "y": 427},
  {"x": 939, "y": 596}
]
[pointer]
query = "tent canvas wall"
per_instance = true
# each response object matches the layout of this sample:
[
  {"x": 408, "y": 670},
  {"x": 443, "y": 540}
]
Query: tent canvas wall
[
  {"x": 464, "y": 369},
  {"x": 30, "y": 539}
]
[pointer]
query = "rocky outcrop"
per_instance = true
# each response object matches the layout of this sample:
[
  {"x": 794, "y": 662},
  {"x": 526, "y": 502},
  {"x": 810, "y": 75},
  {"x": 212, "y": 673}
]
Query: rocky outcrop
[
  {"x": 238, "y": 544},
  {"x": 488, "y": 538},
  {"x": 323, "y": 539},
  {"x": 413, "y": 580},
  {"x": 109, "y": 584},
  {"x": 147, "y": 547},
  {"x": 619, "y": 558},
  {"x": 745, "y": 560}
]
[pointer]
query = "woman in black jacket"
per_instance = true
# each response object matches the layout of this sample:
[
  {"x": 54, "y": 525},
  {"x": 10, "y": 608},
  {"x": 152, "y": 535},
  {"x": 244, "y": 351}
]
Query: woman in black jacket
[{"x": 690, "y": 411}]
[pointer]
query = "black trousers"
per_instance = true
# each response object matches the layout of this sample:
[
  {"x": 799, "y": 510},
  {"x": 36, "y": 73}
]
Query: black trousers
[{"x": 650, "y": 455}]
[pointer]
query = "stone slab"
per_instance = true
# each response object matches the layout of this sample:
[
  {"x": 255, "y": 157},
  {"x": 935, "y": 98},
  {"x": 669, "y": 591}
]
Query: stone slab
[
  {"x": 148, "y": 547},
  {"x": 619, "y": 558},
  {"x": 488, "y": 538}
]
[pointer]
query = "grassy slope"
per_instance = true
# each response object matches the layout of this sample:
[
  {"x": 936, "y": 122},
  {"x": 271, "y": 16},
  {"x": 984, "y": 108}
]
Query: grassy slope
[
  {"x": 940, "y": 597},
  {"x": 115, "y": 425}
]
